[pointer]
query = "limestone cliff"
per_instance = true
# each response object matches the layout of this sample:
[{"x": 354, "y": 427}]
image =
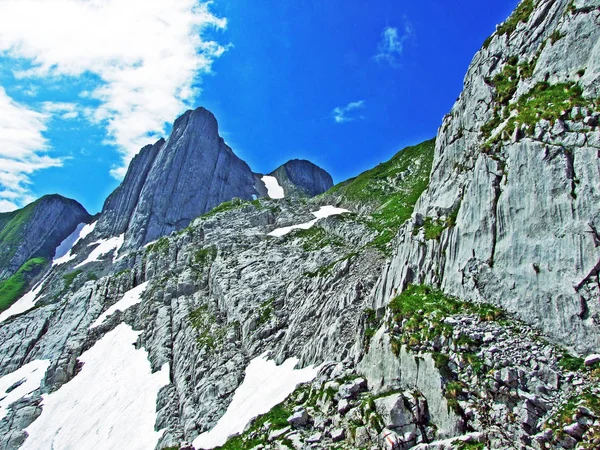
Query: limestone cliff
[{"x": 514, "y": 190}]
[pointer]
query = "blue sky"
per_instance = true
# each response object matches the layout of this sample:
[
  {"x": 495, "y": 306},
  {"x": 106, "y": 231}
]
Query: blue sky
[{"x": 85, "y": 83}]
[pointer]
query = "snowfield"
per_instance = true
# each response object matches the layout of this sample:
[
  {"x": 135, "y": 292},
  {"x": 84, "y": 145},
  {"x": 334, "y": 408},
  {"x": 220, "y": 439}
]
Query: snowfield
[
  {"x": 63, "y": 253},
  {"x": 130, "y": 298},
  {"x": 110, "y": 404},
  {"x": 25, "y": 303},
  {"x": 104, "y": 246},
  {"x": 265, "y": 385},
  {"x": 273, "y": 188},
  {"x": 324, "y": 211},
  {"x": 30, "y": 376}
]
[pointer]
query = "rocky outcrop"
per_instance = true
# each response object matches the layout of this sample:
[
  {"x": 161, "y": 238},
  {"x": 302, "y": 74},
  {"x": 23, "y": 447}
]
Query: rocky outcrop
[
  {"x": 36, "y": 230},
  {"x": 191, "y": 174},
  {"x": 516, "y": 196},
  {"x": 120, "y": 205},
  {"x": 300, "y": 177}
]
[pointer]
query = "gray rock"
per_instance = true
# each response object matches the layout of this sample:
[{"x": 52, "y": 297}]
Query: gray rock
[
  {"x": 298, "y": 419},
  {"x": 592, "y": 359},
  {"x": 337, "y": 434},
  {"x": 36, "y": 230},
  {"x": 301, "y": 177},
  {"x": 191, "y": 174}
]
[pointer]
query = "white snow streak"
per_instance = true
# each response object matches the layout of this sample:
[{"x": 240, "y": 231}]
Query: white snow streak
[
  {"x": 130, "y": 298},
  {"x": 25, "y": 303},
  {"x": 104, "y": 246},
  {"x": 110, "y": 404},
  {"x": 273, "y": 188},
  {"x": 30, "y": 376},
  {"x": 265, "y": 386},
  {"x": 324, "y": 211},
  {"x": 63, "y": 251}
]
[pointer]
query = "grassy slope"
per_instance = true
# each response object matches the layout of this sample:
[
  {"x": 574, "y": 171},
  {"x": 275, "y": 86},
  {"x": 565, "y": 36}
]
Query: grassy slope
[
  {"x": 12, "y": 228},
  {"x": 14, "y": 287},
  {"x": 391, "y": 189}
]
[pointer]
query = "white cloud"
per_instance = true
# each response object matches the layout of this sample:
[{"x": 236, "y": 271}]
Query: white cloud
[
  {"x": 147, "y": 55},
  {"x": 343, "y": 114},
  {"x": 391, "y": 44},
  {"x": 22, "y": 150},
  {"x": 63, "y": 109}
]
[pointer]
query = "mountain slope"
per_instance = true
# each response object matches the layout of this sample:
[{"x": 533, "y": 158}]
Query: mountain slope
[
  {"x": 36, "y": 230},
  {"x": 473, "y": 334}
]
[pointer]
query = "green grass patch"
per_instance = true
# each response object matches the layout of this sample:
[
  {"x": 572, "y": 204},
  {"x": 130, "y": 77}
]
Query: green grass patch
[
  {"x": 265, "y": 312},
  {"x": 15, "y": 286},
  {"x": 255, "y": 434},
  {"x": 463, "y": 445},
  {"x": 391, "y": 190},
  {"x": 209, "y": 333},
  {"x": 315, "y": 238},
  {"x": 564, "y": 416},
  {"x": 420, "y": 311},
  {"x": 160, "y": 246},
  {"x": 571, "y": 363},
  {"x": 12, "y": 230},
  {"x": 69, "y": 278},
  {"x": 547, "y": 101},
  {"x": 326, "y": 269},
  {"x": 519, "y": 15},
  {"x": 205, "y": 256},
  {"x": 230, "y": 206}
]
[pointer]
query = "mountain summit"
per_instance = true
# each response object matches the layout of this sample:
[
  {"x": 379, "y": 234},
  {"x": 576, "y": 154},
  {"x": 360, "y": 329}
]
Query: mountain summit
[{"x": 172, "y": 182}]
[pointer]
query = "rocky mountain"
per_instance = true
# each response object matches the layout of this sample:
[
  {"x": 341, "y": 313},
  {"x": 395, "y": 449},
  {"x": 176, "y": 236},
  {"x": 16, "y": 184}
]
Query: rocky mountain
[
  {"x": 301, "y": 177},
  {"x": 445, "y": 299},
  {"x": 171, "y": 182},
  {"x": 36, "y": 230}
]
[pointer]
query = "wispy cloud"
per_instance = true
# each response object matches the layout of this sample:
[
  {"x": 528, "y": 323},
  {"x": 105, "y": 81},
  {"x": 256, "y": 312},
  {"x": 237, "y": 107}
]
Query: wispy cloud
[
  {"x": 348, "y": 113},
  {"x": 391, "y": 44},
  {"x": 23, "y": 151},
  {"x": 63, "y": 109},
  {"x": 146, "y": 55}
]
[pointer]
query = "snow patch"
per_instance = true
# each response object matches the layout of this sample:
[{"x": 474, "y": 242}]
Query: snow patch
[
  {"x": 111, "y": 403},
  {"x": 273, "y": 188},
  {"x": 63, "y": 251},
  {"x": 104, "y": 246},
  {"x": 130, "y": 298},
  {"x": 25, "y": 303},
  {"x": 265, "y": 386},
  {"x": 23, "y": 382},
  {"x": 324, "y": 211}
]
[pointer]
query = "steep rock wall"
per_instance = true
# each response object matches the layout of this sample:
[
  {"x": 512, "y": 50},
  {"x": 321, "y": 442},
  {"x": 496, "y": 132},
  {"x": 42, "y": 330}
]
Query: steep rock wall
[{"x": 518, "y": 208}]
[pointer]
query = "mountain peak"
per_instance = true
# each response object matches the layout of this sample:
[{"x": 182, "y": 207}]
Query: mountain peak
[{"x": 302, "y": 177}]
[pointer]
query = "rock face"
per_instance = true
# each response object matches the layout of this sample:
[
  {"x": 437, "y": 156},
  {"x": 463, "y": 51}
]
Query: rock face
[
  {"x": 172, "y": 182},
  {"x": 36, "y": 230},
  {"x": 120, "y": 205},
  {"x": 524, "y": 194},
  {"x": 301, "y": 177}
]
